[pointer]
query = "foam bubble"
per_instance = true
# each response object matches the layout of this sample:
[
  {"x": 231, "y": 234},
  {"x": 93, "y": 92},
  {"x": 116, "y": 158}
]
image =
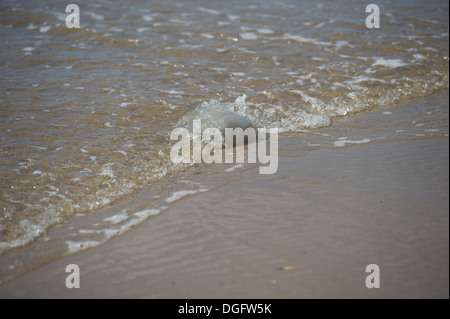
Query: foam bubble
[
  {"x": 106, "y": 170},
  {"x": 44, "y": 29},
  {"x": 233, "y": 17},
  {"x": 249, "y": 36},
  {"x": 265, "y": 31},
  {"x": 124, "y": 104},
  {"x": 31, "y": 26},
  {"x": 390, "y": 63}
]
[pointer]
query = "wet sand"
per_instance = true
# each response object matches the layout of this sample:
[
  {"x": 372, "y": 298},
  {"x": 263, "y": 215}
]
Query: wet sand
[{"x": 326, "y": 214}]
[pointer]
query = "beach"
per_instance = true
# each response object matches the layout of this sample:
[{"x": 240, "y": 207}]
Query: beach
[
  {"x": 308, "y": 231},
  {"x": 355, "y": 194}
]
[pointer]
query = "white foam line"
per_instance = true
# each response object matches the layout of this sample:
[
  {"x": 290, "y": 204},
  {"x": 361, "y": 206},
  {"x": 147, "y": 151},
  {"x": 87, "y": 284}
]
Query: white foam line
[
  {"x": 298, "y": 38},
  {"x": 265, "y": 31},
  {"x": 44, "y": 29},
  {"x": 231, "y": 169},
  {"x": 147, "y": 213},
  {"x": 211, "y": 11},
  {"x": 185, "y": 181},
  {"x": 342, "y": 143},
  {"x": 180, "y": 194},
  {"x": 141, "y": 216},
  {"x": 172, "y": 92},
  {"x": 124, "y": 104},
  {"x": 117, "y": 218},
  {"x": 74, "y": 246},
  {"x": 207, "y": 36}
]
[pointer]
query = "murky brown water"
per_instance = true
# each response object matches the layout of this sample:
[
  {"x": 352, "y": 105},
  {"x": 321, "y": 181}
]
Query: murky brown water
[{"x": 86, "y": 113}]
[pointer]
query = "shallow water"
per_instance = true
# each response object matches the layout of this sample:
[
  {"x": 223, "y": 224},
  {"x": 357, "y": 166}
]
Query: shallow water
[{"x": 86, "y": 113}]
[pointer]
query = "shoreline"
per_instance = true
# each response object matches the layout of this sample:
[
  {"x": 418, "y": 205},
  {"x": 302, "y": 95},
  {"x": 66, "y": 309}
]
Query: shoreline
[
  {"x": 330, "y": 213},
  {"x": 360, "y": 177}
]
